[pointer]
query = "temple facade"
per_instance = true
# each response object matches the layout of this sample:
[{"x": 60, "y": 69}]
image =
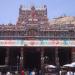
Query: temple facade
[{"x": 56, "y": 38}]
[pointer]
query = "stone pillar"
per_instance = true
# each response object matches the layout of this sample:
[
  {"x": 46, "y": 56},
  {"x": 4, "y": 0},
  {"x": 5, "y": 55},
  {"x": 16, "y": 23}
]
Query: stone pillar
[
  {"x": 42, "y": 60},
  {"x": 21, "y": 58},
  {"x": 73, "y": 54},
  {"x": 57, "y": 61},
  {"x": 7, "y": 57},
  {"x": 56, "y": 57}
]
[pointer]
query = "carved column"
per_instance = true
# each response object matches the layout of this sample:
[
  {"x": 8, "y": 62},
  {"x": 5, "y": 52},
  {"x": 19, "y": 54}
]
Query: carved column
[
  {"x": 7, "y": 57},
  {"x": 56, "y": 57},
  {"x": 21, "y": 59},
  {"x": 42, "y": 60},
  {"x": 57, "y": 60},
  {"x": 73, "y": 54}
]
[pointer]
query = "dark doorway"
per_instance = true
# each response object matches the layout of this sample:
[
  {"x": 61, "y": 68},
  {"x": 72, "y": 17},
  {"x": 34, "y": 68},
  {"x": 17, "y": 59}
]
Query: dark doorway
[
  {"x": 2, "y": 55},
  {"x": 49, "y": 56},
  {"x": 14, "y": 56},
  {"x": 64, "y": 55},
  {"x": 32, "y": 58}
]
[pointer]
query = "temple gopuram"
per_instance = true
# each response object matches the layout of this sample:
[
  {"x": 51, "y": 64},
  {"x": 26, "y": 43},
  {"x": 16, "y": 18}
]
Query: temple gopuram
[{"x": 35, "y": 40}]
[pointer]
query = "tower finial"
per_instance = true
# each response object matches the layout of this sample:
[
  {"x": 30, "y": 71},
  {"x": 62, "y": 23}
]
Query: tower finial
[{"x": 31, "y": 3}]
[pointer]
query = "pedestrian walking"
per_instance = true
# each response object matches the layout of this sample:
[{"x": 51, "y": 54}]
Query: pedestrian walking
[
  {"x": 8, "y": 73},
  {"x": 32, "y": 72},
  {"x": 0, "y": 73},
  {"x": 22, "y": 72},
  {"x": 16, "y": 73}
]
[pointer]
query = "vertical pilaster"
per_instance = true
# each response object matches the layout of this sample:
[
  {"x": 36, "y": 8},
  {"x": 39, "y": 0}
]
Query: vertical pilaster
[
  {"x": 7, "y": 57},
  {"x": 73, "y": 54},
  {"x": 56, "y": 57},
  {"x": 21, "y": 58},
  {"x": 42, "y": 60},
  {"x": 57, "y": 61}
]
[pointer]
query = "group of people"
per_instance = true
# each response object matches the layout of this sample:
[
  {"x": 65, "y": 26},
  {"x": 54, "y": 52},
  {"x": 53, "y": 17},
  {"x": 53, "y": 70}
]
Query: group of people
[
  {"x": 33, "y": 72},
  {"x": 28, "y": 73}
]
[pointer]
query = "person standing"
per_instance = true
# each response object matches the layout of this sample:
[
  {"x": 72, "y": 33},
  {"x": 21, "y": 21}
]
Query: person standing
[
  {"x": 8, "y": 73},
  {"x": 22, "y": 72}
]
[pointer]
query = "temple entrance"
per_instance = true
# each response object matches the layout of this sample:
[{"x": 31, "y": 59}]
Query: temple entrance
[
  {"x": 49, "y": 56},
  {"x": 64, "y": 56},
  {"x": 32, "y": 58},
  {"x": 14, "y": 56},
  {"x": 2, "y": 55}
]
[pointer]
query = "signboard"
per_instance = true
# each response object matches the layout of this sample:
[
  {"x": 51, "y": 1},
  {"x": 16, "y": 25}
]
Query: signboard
[
  {"x": 50, "y": 43},
  {"x": 37, "y": 43},
  {"x": 11, "y": 43}
]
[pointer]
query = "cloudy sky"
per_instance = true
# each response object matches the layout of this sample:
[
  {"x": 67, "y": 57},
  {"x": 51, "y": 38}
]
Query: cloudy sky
[{"x": 9, "y": 9}]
